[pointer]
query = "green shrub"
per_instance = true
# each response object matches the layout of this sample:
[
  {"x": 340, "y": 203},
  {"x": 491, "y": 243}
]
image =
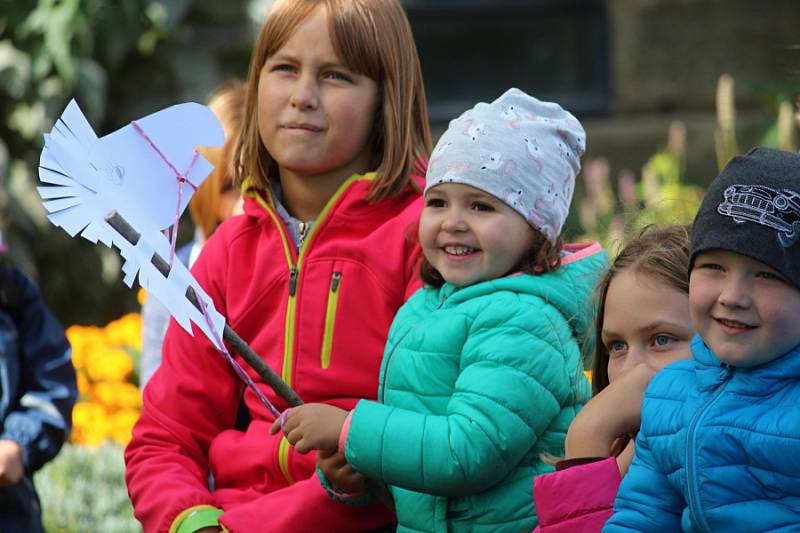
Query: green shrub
[{"x": 83, "y": 490}]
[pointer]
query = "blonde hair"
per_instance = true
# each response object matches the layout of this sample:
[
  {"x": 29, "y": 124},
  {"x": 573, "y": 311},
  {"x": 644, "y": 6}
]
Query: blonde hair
[
  {"x": 373, "y": 38},
  {"x": 227, "y": 103}
]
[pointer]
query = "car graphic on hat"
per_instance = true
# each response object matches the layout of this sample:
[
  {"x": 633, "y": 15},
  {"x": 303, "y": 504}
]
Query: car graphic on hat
[{"x": 778, "y": 209}]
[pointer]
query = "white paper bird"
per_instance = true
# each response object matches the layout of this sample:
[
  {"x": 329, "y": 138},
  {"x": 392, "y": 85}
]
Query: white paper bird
[{"x": 143, "y": 174}]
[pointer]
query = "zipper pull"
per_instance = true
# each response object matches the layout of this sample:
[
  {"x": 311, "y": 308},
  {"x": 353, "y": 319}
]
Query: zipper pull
[
  {"x": 725, "y": 373},
  {"x": 337, "y": 277},
  {"x": 292, "y": 280},
  {"x": 302, "y": 230}
]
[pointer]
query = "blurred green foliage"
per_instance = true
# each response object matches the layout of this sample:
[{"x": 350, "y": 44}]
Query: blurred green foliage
[
  {"x": 609, "y": 212},
  {"x": 120, "y": 61},
  {"x": 781, "y": 134},
  {"x": 662, "y": 194},
  {"x": 83, "y": 490}
]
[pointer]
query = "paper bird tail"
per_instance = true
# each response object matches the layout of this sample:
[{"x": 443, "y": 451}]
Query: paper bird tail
[{"x": 66, "y": 165}]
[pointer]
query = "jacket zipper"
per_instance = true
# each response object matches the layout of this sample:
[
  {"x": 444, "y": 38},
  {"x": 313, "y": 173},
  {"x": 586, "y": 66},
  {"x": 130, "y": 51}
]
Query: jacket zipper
[
  {"x": 291, "y": 303},
  {"x": 691, "y": 445},
  {"x": 388, "y": 358},
  {"x": 330, "y": 320},
  {"x": 295, "y": 272},
  {"x": 302, "y": 231},
  {"x": 385, "y": 368}
]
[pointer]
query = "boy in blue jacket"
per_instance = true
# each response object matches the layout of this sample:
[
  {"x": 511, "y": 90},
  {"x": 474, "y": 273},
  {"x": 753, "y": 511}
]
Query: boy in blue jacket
[
  {"x": 720, "y": 434},
  {"x": 37, "y": 392}
]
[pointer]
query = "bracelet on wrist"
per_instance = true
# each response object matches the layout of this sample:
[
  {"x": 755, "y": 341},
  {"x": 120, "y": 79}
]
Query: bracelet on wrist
[{"x": 355, "y": 499}]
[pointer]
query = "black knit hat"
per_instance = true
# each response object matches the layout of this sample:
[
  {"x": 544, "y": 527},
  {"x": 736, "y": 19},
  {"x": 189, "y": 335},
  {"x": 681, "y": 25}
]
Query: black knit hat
[{"x": 753, "y": 208}]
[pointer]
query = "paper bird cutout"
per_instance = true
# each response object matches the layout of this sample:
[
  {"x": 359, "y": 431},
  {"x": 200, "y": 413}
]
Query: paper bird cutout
[{"x": 141, "y": 176}]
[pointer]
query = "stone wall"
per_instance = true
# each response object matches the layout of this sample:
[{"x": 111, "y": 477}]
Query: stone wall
[{"x": 666, "y": 55}]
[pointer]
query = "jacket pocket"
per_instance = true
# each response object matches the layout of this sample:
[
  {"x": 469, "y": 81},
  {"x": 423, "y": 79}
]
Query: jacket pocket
[{"x": 330, "y": 320}]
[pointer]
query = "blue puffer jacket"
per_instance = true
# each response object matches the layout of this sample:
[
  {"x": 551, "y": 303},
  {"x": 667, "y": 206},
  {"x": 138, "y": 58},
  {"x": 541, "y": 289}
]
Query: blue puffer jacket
[
  {"x": 37, "y": 391},
  {"x": 717, "y": 449},
  {"x": 475, "y": 384}
]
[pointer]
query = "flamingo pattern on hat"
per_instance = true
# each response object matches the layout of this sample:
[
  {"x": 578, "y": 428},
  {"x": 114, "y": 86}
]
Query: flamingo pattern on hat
[{"x": 519, "y": 149}]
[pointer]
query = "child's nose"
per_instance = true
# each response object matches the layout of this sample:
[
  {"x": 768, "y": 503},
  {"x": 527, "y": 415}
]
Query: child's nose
[
  {"x": 305, "y": 93},
  {"x": 635, "y": 356},
  {"x": 735, "y": 293},
  {"x": 453, "y": 221}
]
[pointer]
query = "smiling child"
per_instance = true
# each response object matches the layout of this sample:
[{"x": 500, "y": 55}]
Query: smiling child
[{"x": 717, "y": 449}]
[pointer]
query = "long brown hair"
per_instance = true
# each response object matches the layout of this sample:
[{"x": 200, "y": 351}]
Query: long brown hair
[
  {"x": 661, "y": 253},
  {"x": 227, "y": 103},
  {"x": 373, "y": 38}
]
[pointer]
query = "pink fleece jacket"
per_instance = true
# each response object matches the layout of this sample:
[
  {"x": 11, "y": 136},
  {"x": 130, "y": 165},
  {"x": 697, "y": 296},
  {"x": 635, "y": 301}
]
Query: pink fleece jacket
[
  {"x": 578, "y": 499},
  {"x": 320, "y": 318}
]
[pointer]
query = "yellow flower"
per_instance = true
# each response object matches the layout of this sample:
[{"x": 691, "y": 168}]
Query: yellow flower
[
  {"x": 84, "y": 386},
  {"x": 88, "y": 423},
  {"x": 588, "y": 374},
  {"x": 126, "y": 331},
  {"x": 103, "y": 364},
  {"x": 122, "y": 425},
  {"x": 84, "y": 340},
  {"x": 116, "y": 395},
  {"x": 111, "y": 364}
]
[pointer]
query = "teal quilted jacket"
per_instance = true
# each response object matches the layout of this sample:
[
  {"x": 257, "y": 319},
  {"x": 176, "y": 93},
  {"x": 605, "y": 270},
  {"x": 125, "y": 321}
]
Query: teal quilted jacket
[{"x": 475, "y": 384}]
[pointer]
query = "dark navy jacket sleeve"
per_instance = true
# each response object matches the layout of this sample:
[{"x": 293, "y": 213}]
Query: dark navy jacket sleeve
[{"x": 39, "y": 388}]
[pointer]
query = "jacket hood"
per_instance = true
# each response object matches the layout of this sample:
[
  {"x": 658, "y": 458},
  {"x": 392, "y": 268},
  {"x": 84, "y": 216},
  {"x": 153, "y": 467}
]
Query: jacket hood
[{"x": 569, "y": 288}]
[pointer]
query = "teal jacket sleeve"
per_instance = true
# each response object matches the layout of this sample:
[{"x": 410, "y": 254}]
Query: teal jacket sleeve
[
  {"x": 646, "y": 501},
  {"x": 510, "y": 387}
]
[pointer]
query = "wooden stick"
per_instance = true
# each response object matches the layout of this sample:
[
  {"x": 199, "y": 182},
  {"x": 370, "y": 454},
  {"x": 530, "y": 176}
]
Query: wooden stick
[
  {"x": 269, "y": 376},
  {"x": 281, "y": 388}
]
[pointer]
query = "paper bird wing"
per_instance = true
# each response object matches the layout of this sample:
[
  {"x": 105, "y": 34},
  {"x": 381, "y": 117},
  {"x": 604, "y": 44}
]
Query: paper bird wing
[
  {"x": 89, "y": 179},
  {"x": 169, "y": 290}
]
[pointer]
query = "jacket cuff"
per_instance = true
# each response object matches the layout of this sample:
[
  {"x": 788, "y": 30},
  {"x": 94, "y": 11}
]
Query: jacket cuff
[
  {"x": 195, "y": 518},
  {"x": 577, "y": 461},
  {"x": 343, "y": 433},
  {"x": 353, "y": 499},
  {"x": 583, "y": 494}
]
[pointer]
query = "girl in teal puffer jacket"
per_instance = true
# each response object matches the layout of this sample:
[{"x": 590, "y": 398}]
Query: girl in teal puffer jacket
[{"x": 482, "y": 371}]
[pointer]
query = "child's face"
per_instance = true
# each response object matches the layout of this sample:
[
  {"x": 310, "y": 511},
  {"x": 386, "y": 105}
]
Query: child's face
[
  {"x": 469, "y": 235},
  {"x": 315, "y": 115},
  {"x": 645, "y": 321},
  {"x": 745, "y": 311}
]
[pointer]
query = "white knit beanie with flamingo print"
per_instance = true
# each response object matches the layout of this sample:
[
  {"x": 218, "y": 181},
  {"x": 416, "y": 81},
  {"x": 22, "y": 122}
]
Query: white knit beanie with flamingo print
[{"x": 519, "y": 149}]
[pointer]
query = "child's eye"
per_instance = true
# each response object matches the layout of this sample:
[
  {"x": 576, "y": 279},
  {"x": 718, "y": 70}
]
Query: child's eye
[
  {"x": 709, "y": 266},
  {"x": 771, "y": 276},
  {"x": 481, "y": 206},
  {"x": 662, "y": 340},
  {"x": 339, "y": 76},
  {"x": 616, "y": 348},
  {"x": 434, "y": 202},
  {"x": 283, "y": 67}
]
